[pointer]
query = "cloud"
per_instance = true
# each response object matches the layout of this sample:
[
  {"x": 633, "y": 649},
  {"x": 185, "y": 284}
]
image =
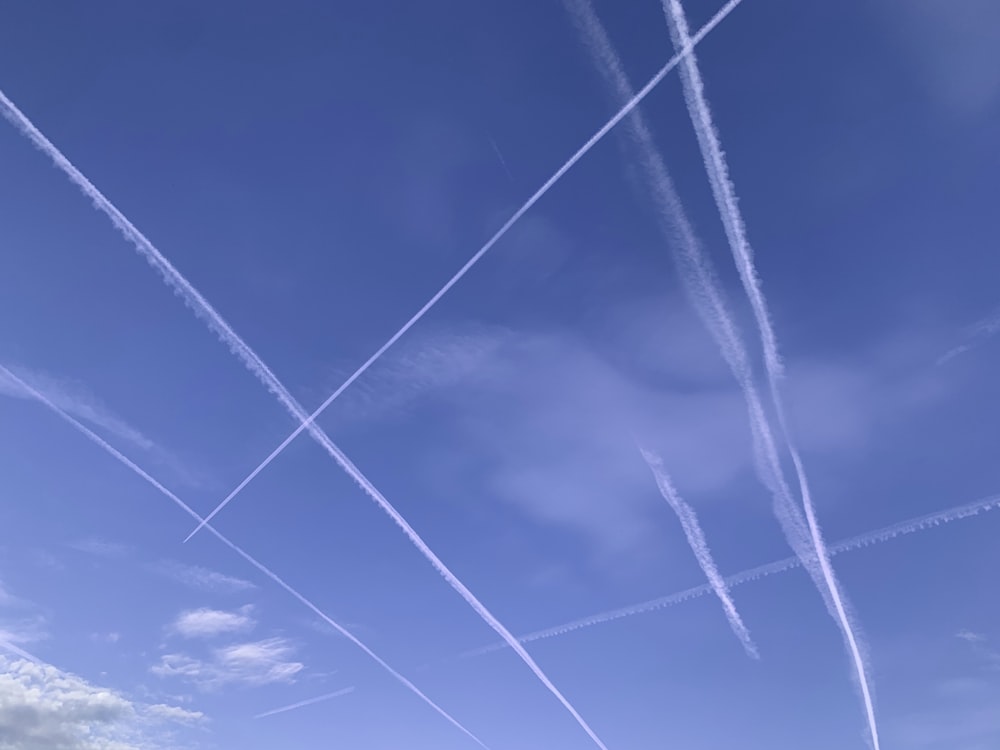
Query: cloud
[
  {"x": 250, "y": 664},
  {"x": 73, "y": 399},
  {"x": 969, "y": 637},
  {"x": 163, "y": 712},
  {"x": 208, "y": 623},
  {"x": 111, "y": 638},
  {"x": 43, "y": 708},
  {"x": 201, "y": 579},
  {"x": 102, "y": 548}
]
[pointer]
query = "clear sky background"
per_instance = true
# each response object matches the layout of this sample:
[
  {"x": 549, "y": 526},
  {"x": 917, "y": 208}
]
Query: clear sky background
[{"x": 317, "y": 171}]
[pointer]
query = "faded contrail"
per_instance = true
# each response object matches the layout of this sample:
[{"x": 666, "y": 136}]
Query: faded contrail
[
  {"x": 631, "y": 104},
  {"x": 911, "y": 526},
  {"x": 18, "y": 651},
  {"x": 123, "y": 459},
  {"x": 981, "y": 331},
  {"x": 725, "y": 199},
  {"x": 699, "y": 545},
  {"x": 503, "y": 162},
  {"x": 309, "y": 702},
  {"x": 253, "y": 362}
]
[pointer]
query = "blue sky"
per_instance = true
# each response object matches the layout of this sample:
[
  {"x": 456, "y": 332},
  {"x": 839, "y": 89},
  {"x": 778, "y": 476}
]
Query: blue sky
[{"x": 317, "y": 173}]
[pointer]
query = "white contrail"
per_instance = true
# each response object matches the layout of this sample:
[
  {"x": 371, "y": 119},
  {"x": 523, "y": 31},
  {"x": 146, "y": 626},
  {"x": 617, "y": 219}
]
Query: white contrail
[
  {"x": 630, "y": 105},
  {"x": 725, "y": 199},
  {"x": 309, "y": 702},
  {"x": 263, "y": 373},
  {"x": 867, "y": 539},
  {"x": 18, "y": 651},
  {"x": 123, "y": 459},
  {"x": 703, "y": 289},
  {"x": 699, "y": 545},
  {"x": 503, "y": 162}
]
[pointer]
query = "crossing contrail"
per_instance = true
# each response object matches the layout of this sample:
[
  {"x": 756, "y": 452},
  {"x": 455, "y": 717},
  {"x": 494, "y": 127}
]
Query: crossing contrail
[
  {"x": 732, "y": 220},
  {"x": 135, "y": 468},
  {"x": 630, "y": 105},
  {"x": 699, "y": 545},
  {"x": 309, "y": 702},
  {"x": 878, "y": 536},
  {"x": 193, "y": 298}
]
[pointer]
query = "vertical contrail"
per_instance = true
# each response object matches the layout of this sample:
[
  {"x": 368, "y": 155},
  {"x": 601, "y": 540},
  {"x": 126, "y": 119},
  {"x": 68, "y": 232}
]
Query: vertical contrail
[
  {"x": 253, "y": 362},
  {"x": 878, "y": 536},
  {"x": 699, "y": 545},
  {"x": 309, "y": 702},
  {"x": 732, "y": 220},
  {"x": 135, "y": 468}
]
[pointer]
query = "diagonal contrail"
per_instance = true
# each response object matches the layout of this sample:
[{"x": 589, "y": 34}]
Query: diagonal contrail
[
  {"x": 127, "y": 462},
  {"x": 259, "y": 369},
  {"x": 699, "y": 545},
  {"x": 630, "y": 105},
  {"x": 732, "y": 220},
  {"x": 878, "y": 536},
  {"x": 309, "y": 702}
]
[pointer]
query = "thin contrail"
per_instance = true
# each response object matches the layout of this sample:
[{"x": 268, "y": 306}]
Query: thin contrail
[
  {"x": 725, "y": 199},
  {"x": 878, "y": 536},
  {"x": 699, "y": 545},
  {"x": 503, "y": 162},
  {"x": 18, "y": 651},
  {"x": 630, "y": 105},
  {"x": 123, "y": 459},
  {"x": 253, "y": 362},
  {"x": 309, "y": 702}
]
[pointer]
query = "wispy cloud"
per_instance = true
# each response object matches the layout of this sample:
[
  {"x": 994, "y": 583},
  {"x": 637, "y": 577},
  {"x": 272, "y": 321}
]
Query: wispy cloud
[
  {"x": 175, "y": 714},
  {"x": 251, "y": 664},
  {"x": 73, "y": 399},
  {"x": 699, "y": 545},
  {"x": 102, "y": 548},
  {"x": 264, "y": 570},
  {"x": 308, "y": 702},
  {"x": 977, "y": 335},
  {"x": 209, "y": 623},
  {"x": 726, "y": 202},
  {"x": 878, "y": 536},
  {"x": 201, "y": 579}
]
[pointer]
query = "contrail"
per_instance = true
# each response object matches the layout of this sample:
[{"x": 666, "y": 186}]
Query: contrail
[
  {"x": 309, "y": 702},
  {"x": 699, "y": 545},
  {"x": 18, "y": 651},
  {"x": 911, "y": 526},
  {"x": 253, "y": 362},
  {"x": 725, "y": 199},
  {"x": 630, "y": 105},
  {"x": 123, "y": 459},
  {"x": 503, "y": 162}
]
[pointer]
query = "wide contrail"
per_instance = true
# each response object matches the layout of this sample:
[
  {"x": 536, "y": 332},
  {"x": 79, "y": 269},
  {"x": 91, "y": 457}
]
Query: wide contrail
[
  {"x": 732, "y": 220},
  {"x": 127, "y": 462},
  {"x": 259, "y": 369},
  {"x": 699, "y": 545},
  {"x": 860, "y": 541},
  {"x": 309, "y": 702},
  {"x": 630, "y": 105}
]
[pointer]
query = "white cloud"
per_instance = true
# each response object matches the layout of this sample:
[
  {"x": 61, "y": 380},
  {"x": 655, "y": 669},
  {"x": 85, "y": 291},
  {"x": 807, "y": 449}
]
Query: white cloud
[
  {"x": 42, "y": 708},
  {"x": 201, "y": 579},
  {"x": 970, "y": 637},
  {"x": 176, "y": 714},
  {"x": 208, "y": 623},
  {"x": 251, "y": 664},
  {"x": 105, "y": 637}
]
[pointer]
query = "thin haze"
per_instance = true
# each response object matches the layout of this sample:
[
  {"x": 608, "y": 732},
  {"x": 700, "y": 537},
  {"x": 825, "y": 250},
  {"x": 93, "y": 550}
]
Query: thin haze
[
  {"x": 699, "y": 545},
  {"x": 253, "y": 362},
  {"x": 725, "y": 198},
  {"x": 136, "y": 469}
]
